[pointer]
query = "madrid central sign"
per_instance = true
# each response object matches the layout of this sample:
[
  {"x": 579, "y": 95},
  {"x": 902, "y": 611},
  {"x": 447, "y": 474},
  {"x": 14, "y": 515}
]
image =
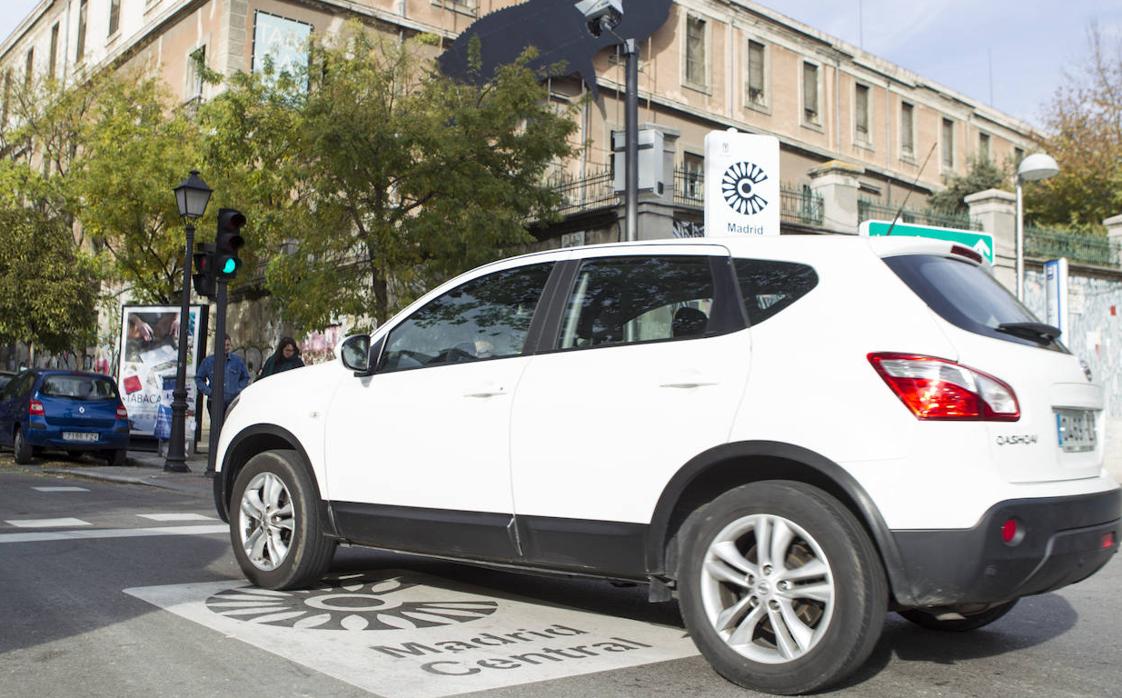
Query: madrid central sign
[{"x": 741, "y": 184}]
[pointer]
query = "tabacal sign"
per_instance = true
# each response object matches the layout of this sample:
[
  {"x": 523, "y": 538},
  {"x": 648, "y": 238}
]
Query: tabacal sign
[
  {"x": 741, "y": 184},
  {"x": 982, "y": 243}
]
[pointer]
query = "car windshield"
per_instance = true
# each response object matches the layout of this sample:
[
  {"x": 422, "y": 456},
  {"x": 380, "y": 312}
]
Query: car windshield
[{"x": 78, "y": 388}]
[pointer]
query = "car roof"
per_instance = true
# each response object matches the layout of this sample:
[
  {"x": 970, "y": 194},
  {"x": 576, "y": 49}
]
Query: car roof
[{"x": 68, "y": 372}]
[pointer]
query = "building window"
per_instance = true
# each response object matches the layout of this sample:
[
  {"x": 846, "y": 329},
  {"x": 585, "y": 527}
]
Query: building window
[
  {"x": 757, "y": 84},
  {"x": 861, "y": 114},
  {"x": 695, "y": 51},
  {"x": 984, "y": 146},
  {"x": 1018, "y": 155},
  {"x": 694, "y": 166},
  {"x": 7, "y": 96},
  {"x": 82, "y": 7},
  {"x": 196, "y": 67},
  {"x": 114, "y": 16},
  {"x": 53, "y": 62},
  {"x": 29, "y": 69},
  {"x": 948, "y": 144},
  {"x": 810, "y": 93},
  {"x": 280, "y": 43},
  {"x": 907, "y": 130},
  {"x": 465, "y": 6}
]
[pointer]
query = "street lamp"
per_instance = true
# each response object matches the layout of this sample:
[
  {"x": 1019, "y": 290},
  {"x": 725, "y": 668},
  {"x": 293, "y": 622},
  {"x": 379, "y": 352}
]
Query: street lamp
[
  {"x": 191, "y": 196},
  {"x": 1033, "y": 168}
]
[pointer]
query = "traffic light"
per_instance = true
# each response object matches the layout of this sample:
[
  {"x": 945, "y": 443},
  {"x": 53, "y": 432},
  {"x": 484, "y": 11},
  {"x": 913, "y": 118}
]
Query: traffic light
[
  {"x": 227, "y": 242},
  {"x": 204, "y": 269}
]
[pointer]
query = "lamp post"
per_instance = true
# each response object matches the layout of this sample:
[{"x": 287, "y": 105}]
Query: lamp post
[
  {"x": 192, "y": 196},
  {"x": 1033, "y": 168}
]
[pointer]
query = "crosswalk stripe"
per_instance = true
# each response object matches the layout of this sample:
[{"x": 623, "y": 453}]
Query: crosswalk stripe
[
  {"x": 60, "y": 489},
  {"x": 46, "y": 523},
  {"x": 177, "y": 517},
  {"x": 200, "y": 530}
]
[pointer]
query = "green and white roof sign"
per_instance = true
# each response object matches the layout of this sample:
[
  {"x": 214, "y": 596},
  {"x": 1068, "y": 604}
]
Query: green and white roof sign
[{"x": 980, "y": 242}]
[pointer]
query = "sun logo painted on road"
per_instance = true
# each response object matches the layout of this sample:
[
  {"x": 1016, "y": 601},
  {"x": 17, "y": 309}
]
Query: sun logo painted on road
[
  {"x": 355, "y": 604},
  {"x": 738, "y": 184}
]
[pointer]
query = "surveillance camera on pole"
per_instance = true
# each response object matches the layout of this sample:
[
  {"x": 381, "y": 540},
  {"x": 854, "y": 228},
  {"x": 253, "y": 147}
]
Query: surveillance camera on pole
[{"x": 602, "y": 15}]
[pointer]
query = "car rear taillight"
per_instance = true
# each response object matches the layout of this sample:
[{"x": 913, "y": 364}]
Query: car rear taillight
[
  {"x": 122, "y": 413},
  {"x": 35, "y": 409},
  {"x": 938, "y": 389}
]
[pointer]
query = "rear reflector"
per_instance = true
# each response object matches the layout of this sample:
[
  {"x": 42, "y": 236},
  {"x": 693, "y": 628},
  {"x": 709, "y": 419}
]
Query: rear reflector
[
  {"x": 938, "y": 389},
  {"x": 966, "y": 252},
  {"x": 36, "y": 409},
  {"x": 1010, "y": 532},
  {"x": 1108, "y": 540}
]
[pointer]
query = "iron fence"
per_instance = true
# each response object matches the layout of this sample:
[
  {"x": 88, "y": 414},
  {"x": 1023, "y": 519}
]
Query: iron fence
[
  {"x": 869, "y": 210},
  {"x": 1087, "y": 248},
  {"x": 579, "y": 194}
]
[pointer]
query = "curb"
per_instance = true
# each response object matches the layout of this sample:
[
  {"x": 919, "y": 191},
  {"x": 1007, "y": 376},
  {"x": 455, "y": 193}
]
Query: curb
[{"x": 119, "y": 479}]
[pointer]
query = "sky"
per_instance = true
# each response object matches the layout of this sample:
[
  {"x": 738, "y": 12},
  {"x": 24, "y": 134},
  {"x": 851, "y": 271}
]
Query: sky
[{"x": 1028, "y": 43}]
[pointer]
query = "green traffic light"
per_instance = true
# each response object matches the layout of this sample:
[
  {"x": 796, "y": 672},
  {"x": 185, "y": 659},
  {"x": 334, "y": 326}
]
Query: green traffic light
[{"x": 230, "y": 266}]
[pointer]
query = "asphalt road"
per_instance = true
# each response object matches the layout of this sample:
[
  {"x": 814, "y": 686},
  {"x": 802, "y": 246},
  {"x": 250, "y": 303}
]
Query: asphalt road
[{"x": 187, "y": 627}]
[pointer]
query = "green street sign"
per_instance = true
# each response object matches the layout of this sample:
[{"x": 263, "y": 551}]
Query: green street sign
[{"x": 982, "y": 243}]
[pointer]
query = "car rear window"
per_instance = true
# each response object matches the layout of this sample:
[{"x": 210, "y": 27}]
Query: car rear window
[
  {"x": 768, "y": 287},
  {"x": 78, "y": 388},
  {"x": 966, "y": 296}
]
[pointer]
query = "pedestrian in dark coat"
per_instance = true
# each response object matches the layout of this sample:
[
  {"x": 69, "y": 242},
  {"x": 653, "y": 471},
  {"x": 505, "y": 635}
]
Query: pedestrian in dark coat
[{"x": 286, "y": 357}]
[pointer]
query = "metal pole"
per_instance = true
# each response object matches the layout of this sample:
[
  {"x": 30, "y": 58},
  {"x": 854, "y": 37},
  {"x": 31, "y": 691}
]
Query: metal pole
[
  {"x": 218, "y": 383},
  {"x": 177, "y": 458},
  {"x": 1019, "y": 244},
  {"x": 631, "y": 125}
]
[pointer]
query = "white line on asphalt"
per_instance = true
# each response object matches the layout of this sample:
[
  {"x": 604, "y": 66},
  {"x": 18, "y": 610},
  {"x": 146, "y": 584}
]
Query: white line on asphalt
[
  {"x": 200, "y": 530},
  {"x": 61, "y": 489},
  {"x": 46, "y": 523},
  {"x": 177, "y": 517}
]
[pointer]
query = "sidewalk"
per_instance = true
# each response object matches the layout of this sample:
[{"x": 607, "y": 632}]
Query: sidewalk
[{"x": 145, "y": 468}]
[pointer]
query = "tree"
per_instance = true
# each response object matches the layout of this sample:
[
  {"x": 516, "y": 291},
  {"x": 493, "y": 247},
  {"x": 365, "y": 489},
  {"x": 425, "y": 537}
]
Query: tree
[
  {"x": 982, "y": 174},
  {"x": 396, "y": 176},
  {"x": 1084, "y": 124}
]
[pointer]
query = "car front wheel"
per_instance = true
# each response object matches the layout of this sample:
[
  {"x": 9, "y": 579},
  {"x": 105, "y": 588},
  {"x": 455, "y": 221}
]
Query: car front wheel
[
  {"x": 780, "y": 587},
  {"x": 274, "y": 523}
]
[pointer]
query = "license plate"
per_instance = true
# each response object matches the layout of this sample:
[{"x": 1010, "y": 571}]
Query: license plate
[
  {"x": 1075, "y": 430},
  {"x": 78, "y": 436}
]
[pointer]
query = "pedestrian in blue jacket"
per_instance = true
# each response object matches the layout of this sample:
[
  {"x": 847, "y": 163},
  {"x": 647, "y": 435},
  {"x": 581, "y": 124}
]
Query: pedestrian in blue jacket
[{"x": 237, "y": 376}]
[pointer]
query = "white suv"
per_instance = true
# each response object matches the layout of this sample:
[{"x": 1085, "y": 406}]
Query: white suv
[{"x": 792, "y": 435}]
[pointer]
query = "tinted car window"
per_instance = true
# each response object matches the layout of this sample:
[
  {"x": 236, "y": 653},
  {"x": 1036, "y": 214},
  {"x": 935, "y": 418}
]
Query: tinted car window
[
  {"x": 78, "y": 388},
  {"x": 5, "y": 378},
  {"x": 625, "y": 300},
  {"x": 769, "y": 287},
  {"x": 965, "y": 295},
  {"x": 486, "y": 318}
]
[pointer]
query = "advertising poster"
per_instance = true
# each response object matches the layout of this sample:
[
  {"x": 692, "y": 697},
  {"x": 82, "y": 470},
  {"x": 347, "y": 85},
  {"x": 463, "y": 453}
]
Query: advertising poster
[{"x": 149, "y": 345}]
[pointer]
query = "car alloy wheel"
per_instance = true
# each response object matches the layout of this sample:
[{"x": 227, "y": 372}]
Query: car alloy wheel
[
  {"x": 767, "y": 588},
  {"x": 267, "y": 521}
]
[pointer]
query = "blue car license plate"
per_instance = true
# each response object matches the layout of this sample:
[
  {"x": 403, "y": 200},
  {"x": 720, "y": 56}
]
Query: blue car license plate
[{"x": 79, "y": 436}]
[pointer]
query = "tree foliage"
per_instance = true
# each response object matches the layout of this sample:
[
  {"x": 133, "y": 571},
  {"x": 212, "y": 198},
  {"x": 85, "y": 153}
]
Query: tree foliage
[
  {"x": 982, "y": 174},
  {"x": 1084, "y": 125}
]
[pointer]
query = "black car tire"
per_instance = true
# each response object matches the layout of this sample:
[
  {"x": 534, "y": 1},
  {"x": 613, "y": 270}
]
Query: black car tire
[
  {"x": 968, "y": 622},
  {"x": 860, "y": 590},
  {"x": 117, "y": 457},
  {"x": 74, "y": 455},
  {"x": 23, "y": 451},
  {"x": 310, "y": 550}
]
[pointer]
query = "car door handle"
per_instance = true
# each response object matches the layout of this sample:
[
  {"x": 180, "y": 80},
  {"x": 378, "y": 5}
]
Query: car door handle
[
  {"x": 688, "y": 380},
  {"x": 486, "y": 391}
]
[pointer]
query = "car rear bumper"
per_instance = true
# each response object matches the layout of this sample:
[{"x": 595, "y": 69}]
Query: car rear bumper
[
  {"x": 52, "y": 438},
  {"x": 1064, "y": 540}
]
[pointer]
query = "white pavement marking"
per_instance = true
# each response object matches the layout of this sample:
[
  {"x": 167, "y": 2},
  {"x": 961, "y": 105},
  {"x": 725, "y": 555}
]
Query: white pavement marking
[
  {"x": 201, "y": 530},
  {"x": 46, "y": 523},
  {"x": 177, "y": 517},
  {"x": 60, "y": 489},
  {"x": 406, "y": 635}
]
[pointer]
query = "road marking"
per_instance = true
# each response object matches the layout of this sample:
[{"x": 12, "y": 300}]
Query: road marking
[
  {"x": 407, "y": 635},
  {"x": 177, "y": 517},
  {"x": 46, "y": 523},
  {"x": 60, "y": 489},
  {"x": 200, "y": 530}
]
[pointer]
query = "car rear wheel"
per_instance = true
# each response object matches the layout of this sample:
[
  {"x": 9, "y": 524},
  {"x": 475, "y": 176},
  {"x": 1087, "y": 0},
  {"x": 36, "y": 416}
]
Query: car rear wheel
[
  {"x": 780, "y": 587},
  {"x": 275, "y": 528},
  {"x": 23, "y": 450},
  {"x": 117, "y": 457},
  {"x": 958, "y": 621}
]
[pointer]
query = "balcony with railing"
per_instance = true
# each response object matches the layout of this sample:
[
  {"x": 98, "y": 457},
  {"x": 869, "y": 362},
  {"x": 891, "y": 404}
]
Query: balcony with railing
[
  {"x": 871, "y": 211},
  {"x": 580, "y": 194},
  {"x": 1086, "y": 248}
]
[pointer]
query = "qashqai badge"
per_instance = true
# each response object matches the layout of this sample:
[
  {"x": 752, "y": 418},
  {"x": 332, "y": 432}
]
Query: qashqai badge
[{"x": 738, "y": 187}]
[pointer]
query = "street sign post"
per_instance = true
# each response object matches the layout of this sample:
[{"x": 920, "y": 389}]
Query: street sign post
[{"x": 980, "y": 242}]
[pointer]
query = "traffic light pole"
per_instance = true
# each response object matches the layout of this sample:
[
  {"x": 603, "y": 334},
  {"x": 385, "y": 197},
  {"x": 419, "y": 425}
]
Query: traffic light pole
[
  {"x": 177, "y": 456},
  {"x": 218, "y": 381}
]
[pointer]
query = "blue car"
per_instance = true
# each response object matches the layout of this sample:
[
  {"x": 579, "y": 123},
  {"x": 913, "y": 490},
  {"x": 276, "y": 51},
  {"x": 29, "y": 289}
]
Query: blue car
[{"x": 69, "y": 411}]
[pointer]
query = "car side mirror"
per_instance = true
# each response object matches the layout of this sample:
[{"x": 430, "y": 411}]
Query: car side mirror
[{"x": 354, "y": 352}]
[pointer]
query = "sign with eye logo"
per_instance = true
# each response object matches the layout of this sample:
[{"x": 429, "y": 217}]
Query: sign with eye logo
[{"x": 741, "y": 184}]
